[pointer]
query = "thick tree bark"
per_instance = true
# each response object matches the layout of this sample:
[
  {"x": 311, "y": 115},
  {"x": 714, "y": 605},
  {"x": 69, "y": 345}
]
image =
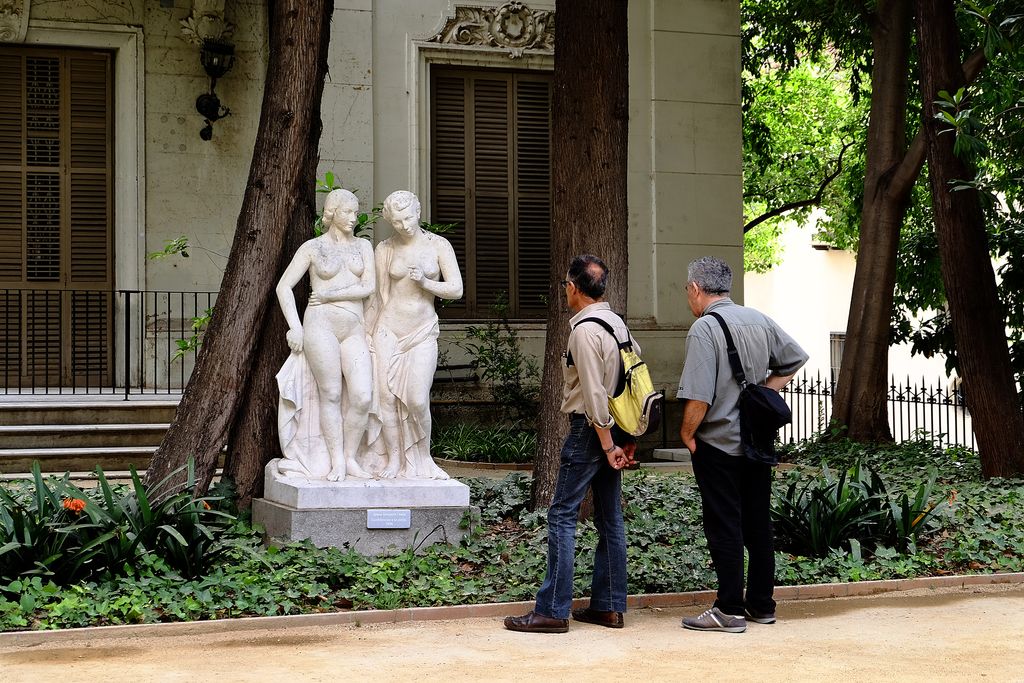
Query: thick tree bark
[
  {"x": 860, "y": 400},
  {"x": 977, "y": 316},
  {"x": 588, "y": 156},
  {"x": 860, "y": 403},
  {"x": 279, "y": 199}
]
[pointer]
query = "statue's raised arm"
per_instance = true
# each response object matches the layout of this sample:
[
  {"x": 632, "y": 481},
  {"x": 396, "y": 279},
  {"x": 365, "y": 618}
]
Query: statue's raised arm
[{"x": 414, "y": 267}]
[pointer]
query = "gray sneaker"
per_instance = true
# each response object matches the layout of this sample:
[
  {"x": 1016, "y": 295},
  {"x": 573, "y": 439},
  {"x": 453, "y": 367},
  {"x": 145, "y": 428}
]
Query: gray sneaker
[
  {"x": 760, "y": 617},
  {"x": 716, "y": 620}
]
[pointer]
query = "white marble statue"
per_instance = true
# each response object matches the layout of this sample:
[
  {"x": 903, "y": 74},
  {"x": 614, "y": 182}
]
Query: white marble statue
[
  {"x": 413, "y": 267},
  {"x": 327, "y": 382}
]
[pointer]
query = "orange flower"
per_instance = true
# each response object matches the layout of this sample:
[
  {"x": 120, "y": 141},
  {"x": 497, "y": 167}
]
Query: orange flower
[{"x": 76, "y": 505}]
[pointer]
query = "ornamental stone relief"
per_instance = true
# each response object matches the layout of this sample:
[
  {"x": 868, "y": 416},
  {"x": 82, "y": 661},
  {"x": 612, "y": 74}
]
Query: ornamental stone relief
[
  {"x": 205, "y": 22},
  {"x": 512, "y": 26},
  {"x": 13, "y": 20}
]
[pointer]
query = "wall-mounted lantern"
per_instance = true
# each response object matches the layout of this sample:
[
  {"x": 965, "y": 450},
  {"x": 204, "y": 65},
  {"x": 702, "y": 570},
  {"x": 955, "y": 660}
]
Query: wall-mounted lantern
[
  {"x": 217, "y": 57},
  {"x": 206, "y": 28}
]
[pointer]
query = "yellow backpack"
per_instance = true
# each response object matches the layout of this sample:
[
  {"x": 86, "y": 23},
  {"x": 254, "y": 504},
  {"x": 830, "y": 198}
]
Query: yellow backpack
[{"x": 635, "y": 405}]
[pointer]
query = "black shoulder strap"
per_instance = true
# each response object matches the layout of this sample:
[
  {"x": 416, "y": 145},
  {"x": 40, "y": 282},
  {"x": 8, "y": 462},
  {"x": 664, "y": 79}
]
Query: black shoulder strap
[{"x": 734, "y": 355}]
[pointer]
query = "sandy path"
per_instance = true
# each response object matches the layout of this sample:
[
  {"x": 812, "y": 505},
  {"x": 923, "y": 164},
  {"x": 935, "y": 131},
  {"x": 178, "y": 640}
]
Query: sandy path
[{"x": 933, "y": 635}]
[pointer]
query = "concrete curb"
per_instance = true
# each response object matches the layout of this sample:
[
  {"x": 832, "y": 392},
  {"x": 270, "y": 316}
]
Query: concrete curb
[{"x": 489, "y": 610}]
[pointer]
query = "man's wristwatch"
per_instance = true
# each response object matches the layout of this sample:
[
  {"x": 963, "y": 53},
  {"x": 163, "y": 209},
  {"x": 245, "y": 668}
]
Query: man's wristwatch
[{"x": 610, "y": 448}]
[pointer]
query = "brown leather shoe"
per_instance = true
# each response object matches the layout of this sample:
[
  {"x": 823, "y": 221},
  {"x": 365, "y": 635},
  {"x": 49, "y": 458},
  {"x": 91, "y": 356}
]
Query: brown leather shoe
[
  {"x": 593, "y": 616},
  {"x": 531, "y": 622}
]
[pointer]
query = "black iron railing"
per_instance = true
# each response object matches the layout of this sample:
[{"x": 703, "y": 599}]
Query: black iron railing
[
  {"x": 126, "y": 342},
  {"x": 166, "y": 338},
  {"x": 915, "y": 409},
  {"x": 134, "y": 342}
]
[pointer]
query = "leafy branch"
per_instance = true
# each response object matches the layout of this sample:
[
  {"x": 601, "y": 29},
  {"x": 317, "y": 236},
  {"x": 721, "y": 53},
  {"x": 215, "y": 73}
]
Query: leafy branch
[{"x": 802, "y": 203}]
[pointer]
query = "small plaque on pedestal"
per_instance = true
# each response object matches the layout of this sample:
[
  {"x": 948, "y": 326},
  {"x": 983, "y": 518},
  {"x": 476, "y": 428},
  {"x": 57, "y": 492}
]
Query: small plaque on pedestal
[{"x": 388, "y": 519}]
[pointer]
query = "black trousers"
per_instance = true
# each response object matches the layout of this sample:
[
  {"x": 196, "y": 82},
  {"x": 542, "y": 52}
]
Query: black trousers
[{"x": 735, "y": 495}]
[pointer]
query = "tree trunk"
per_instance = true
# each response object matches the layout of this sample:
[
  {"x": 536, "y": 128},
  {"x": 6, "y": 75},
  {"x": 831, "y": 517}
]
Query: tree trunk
[
  {"x": 588, "y": 157},
  {"x": 279, "y": 199},
  {"x": 860, "y": 400},
  {"x": 891, "y": 169},
  {"x": 979, "y": 326}
]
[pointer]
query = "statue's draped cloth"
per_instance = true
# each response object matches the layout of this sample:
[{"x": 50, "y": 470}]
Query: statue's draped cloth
[
  {"x": 393, "y": 359},
  {"x": 298, "y": 421}
]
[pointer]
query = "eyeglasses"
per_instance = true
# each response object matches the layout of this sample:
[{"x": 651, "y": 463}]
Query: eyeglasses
[{"x": 564, "y": 283}]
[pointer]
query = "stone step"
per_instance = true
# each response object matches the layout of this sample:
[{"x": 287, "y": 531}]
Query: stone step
[
  {"x": 81, "y": 435},
  {"x": 59, "y": 410},
  {"x": 672, "y": 454},
  {"x": 60, "y": 460}
]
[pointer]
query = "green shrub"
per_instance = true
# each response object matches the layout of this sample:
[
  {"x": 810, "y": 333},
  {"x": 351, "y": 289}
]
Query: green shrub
[
  {"x": 467, "y": 442},
  {"x": 42, "y": 532},
  {"x": 513, "y": 376},
  {"x": 57, "y": 530},
  {"x": 820, "y": 514},
  {"x": 167, "y": 520},
  {"x": 504, "y": 557},
  {"x": 908, "y": 458}
]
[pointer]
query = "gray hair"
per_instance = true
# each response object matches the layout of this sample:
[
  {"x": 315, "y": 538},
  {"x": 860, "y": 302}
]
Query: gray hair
[
  {"x": 398, "y": 201},
  {"x": 711, "y": 274}
]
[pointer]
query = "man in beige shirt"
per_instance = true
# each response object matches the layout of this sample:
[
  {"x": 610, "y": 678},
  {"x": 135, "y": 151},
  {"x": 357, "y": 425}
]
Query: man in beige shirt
[{"x": 590, "y": 458}]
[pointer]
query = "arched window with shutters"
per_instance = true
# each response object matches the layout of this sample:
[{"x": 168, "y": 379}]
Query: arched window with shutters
[
  {"x": 55, "y": 217},
  {"x": 491, "y": 175}
]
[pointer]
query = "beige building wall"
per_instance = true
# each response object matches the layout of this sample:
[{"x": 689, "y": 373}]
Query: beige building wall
[
  {"x": 347, "y": 108},
  {"x": 684, "y": 184},
  {"x": 195, "y": 187},
  {"x": 685, "y": 166}
]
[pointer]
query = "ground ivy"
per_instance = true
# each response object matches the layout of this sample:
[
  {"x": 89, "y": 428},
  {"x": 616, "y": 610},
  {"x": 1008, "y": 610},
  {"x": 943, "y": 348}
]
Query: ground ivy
[{"x": 980, "y": 529}]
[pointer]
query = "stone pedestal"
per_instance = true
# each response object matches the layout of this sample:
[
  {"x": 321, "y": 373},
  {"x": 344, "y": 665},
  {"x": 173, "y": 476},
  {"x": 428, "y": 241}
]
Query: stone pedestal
[{"x": 370, "y": 516}]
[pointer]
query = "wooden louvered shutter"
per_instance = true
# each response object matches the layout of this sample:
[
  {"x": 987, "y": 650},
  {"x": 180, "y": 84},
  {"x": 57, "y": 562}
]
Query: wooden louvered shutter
[
  {"x": 533, "y": 194},
  {"x": 55, "y": 217},
  {"x": 12, "y": 221},
  {"x": 491, "y": 174},
  {"x": 490, "y": 201},
  {"x": 450, "y": 193},
  {"x": 89, "y": 212},
  {"x": 43, "y": 351}
]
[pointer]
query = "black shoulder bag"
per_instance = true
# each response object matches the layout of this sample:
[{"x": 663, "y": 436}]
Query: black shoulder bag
[{"x": 762, "y": 409}]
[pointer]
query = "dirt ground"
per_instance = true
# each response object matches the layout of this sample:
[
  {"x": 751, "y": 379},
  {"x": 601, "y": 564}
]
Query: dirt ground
[{"x": 928, "y": 635}]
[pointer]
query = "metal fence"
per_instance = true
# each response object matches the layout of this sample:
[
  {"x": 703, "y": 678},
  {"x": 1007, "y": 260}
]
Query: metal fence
[
  {"x": 915, "y": 408},
  {"x": 129, "y": 342},
  {"x": 125, "y": 342},
  {"x": 162, "y": 359}
]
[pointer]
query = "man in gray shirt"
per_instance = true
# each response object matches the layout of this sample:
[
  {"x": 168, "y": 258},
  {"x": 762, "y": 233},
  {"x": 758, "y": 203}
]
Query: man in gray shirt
[{"x": 735, "y": 490}]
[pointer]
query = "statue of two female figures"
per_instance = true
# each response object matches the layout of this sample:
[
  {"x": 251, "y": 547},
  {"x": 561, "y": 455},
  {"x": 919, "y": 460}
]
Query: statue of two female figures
[{"x": 359, "y": 381}]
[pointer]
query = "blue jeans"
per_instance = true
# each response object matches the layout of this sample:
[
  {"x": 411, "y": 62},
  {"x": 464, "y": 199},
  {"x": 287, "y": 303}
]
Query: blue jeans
[{"x": 584, "y": 465}]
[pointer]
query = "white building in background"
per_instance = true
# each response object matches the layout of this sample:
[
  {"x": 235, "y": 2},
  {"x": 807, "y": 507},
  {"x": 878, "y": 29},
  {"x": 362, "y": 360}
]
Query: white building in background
[{"x": 809, "y": 295}]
